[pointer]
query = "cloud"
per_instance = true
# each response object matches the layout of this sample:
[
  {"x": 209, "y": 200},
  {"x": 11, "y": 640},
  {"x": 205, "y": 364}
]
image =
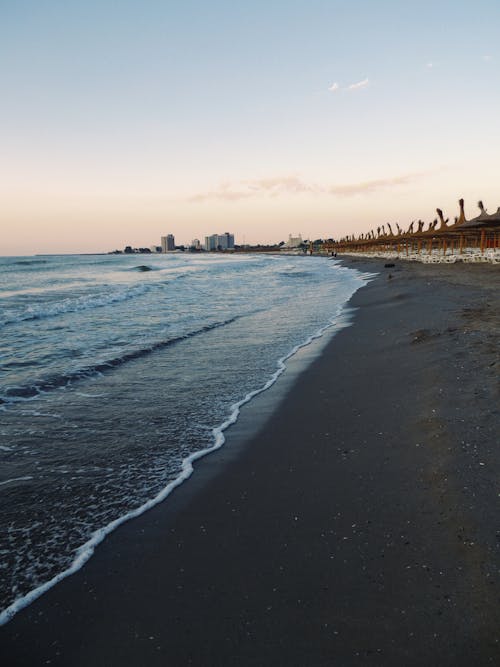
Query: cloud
[
  {"x": 358, "y": 85},
  {"x": 335, "y": 87},
  {"x": 367, "y": 187},
  {"x": 487, "y": 58},
  {"x": 430, "y": 65},
  {"x": 222, "y": 194},
  {"x": 293, "y": 185},
  {"x": 252, "y": 188},
  {"x": 280, "y": 184}
]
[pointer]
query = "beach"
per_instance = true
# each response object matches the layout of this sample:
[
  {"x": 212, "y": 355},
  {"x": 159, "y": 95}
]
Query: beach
[{"x": 357, "y": 525}]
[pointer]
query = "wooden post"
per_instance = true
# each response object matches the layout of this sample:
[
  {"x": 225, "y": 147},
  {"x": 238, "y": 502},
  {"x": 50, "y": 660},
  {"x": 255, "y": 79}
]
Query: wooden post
[{"x": 483, "y": 236}]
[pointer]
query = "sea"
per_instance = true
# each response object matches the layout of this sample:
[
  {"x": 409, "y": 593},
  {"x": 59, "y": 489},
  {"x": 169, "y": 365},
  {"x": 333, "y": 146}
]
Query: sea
[{"x": 118, "y": 371}]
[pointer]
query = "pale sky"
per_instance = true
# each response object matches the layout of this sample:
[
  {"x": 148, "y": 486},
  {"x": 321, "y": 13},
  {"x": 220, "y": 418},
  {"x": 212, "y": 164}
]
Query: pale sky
[{"x": 125, "y": 120}]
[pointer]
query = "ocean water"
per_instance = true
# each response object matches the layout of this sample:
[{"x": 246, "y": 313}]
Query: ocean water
[{"x": 116, "y": 372}]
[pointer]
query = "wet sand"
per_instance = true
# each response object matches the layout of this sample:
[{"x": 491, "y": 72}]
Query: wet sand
[{"x": 359, "y": 526}]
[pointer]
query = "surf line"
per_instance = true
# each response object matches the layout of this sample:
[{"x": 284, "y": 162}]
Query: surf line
[{"x": 86, "y": 550}]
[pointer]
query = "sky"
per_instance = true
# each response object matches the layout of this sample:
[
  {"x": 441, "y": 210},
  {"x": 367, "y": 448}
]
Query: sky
[{"x": 125, "y": 120}]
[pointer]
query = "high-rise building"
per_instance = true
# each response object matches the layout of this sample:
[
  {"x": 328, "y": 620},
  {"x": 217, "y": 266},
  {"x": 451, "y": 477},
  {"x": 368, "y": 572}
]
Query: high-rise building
[
  {"x": 211, "y": 242},
  {"x": 167, "y": 243},
  {"x": 226, "y": 241},
  {"x": 219, "y": 242}
]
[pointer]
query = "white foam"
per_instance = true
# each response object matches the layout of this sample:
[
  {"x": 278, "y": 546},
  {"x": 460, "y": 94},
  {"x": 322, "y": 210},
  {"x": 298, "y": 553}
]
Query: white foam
[
  {"x": 16, "y": 479},
  {"x": 37, "y": 413},
  {"x": 85, "y": 551},
  {"x": 73, "y": 304}
]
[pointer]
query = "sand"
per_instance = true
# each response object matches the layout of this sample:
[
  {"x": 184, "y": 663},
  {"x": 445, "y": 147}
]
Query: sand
[{"x": 358, "y": 526}]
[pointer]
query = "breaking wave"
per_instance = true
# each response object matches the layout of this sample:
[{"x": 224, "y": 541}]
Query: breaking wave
[
  {"x": 29, "y": 391},
  {"x": 72, "y": 305}
]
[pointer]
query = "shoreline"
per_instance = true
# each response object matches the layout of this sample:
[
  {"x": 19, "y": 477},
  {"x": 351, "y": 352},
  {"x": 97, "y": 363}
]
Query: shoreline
[
  {"x": 274, "y": 535},
  {"x": 286, "y": 363}
]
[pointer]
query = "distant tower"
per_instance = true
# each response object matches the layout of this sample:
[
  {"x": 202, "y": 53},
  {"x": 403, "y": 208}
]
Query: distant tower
[
  {"x": 294, "y": 241},
  {"x": 167, "y": 243}
]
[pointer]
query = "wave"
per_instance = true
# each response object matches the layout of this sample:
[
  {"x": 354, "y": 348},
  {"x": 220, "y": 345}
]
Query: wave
[
  {"x": 296, "y": 274},
  {"x": 71, "y": 305},
  {"x": 30, "y": 391},
  {"x": 16, "y": 479},
  {"x": 29, "y": 262},
  {"x": 143, "y": 267}
]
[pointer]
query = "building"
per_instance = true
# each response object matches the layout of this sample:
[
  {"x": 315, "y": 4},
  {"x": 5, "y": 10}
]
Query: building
[
  {"x": 211, "y": 242},
  {"x": 167, "y": 243},
  {"x": 226, "y": 241},
  {"x": 293, "y": 242},
  {"x": 219, "y": 242}
]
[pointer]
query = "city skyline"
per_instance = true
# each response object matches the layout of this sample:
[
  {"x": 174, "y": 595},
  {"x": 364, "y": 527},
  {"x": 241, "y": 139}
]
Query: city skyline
[{"x": 324, "y": 118}]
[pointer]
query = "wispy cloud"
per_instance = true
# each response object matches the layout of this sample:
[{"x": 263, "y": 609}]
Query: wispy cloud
[
  {"x": 293, "y": 185},
  {"x": 430, "y": 65},
  {"x": 280, "y": 184},
  {"x": 358, "y": 85},
  {"x": 223, "y": 193},
  {"x": 252, "y": 188},
  {"x": 367, "y": 187},
  {"x": 335, "y": 87},
  {"x": 487, "y": 58}
]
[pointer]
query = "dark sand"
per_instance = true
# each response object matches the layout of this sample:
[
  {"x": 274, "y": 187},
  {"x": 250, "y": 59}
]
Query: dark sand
[{"x": 359, "y": 527}]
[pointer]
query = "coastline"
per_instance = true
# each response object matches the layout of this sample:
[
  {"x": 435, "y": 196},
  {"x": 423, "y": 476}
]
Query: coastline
[
  {"x": 293, "y": 361},
  {"x": 332, "y": 534}
]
